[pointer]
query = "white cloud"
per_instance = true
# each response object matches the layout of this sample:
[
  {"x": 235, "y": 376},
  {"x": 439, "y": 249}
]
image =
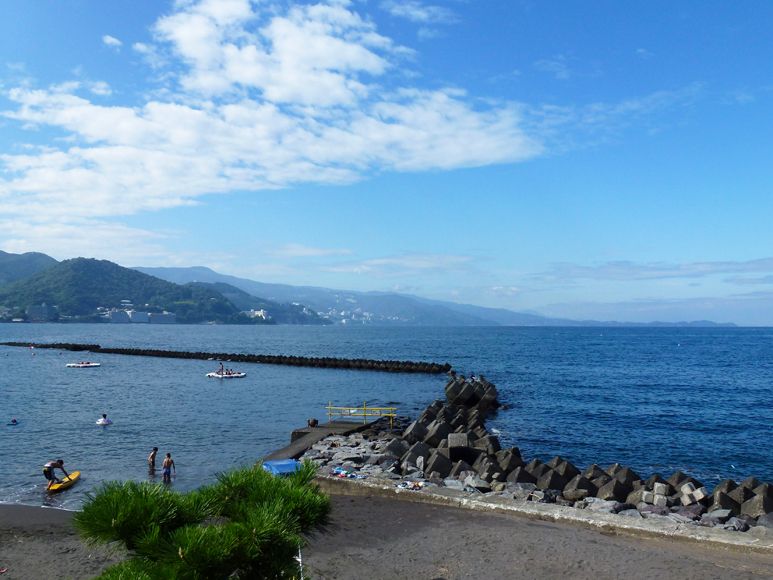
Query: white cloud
[
  {"x": 633, "y": 271},
  {"x": 111, "y": 41},
  {"x": 404, "y": 264},
  {"x": 84, "y": 237},
  {"x": 100, "y": 88},
  {"x": 256, "y": 99},
  {"x": 558, "y": 66},
  {"x": 302, "y": 251},
  {"x": 417, "y": 11}
]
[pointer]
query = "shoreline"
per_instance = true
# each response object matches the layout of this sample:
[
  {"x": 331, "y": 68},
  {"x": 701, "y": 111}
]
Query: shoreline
[
  {"x": 397, "y": 537},
  {"x": 431, "y": 530}
]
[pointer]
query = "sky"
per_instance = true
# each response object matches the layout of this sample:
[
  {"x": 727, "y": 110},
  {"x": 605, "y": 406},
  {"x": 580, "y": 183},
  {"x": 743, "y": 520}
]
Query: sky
[{"x": 590, "y": 160}]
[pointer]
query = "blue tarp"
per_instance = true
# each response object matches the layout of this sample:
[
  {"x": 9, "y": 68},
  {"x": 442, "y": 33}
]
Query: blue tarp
[{"x": 282, "y": 466}]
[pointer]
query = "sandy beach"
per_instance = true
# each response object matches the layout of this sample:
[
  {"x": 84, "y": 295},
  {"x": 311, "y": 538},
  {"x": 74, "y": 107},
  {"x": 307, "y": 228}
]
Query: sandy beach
[{"x": 381, "y": 538}]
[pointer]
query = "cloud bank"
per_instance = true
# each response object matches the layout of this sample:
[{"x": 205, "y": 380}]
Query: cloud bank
[{"x": 253, "y": 98}]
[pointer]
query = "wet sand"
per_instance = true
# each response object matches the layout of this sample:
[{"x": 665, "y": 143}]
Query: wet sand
[{"x": 379, "y": 538}]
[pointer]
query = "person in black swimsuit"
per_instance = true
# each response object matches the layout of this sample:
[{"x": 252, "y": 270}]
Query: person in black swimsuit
[{"x": 48, "y": 471}]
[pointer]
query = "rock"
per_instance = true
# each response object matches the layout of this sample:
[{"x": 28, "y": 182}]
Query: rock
[
  {"x": 654, "y": 510},
  {"x": 416, "y": 450},
  {"x": 498, "y": 486},
  {"x": 750, "y": 483},
  {"x": 740, "y": 494},
  {"x": 637, "y": 496},
  {"x": 766, "y": 521},
  {"x": 622, "y": 506},
  {"x": 509, "y": 459},
  {"x": 579, "y": 482},
  {"x": 566, "y": 470},
  {"x": 536, "y": 468},
  {"x": 717, "y": 516},
  {"x": 736, "y": 524},
  {"x": 467, "y": 454},
  {"x": 660, "y": 500},
  {"x": 694, "y": 495},
  {"x": 756, "y": 506},
  {"x": 459, "y": 440},
  {"x": 396, "y": 447},
  {"x": 613, "y": 469},
  {"x": 575, "y": 495},
  {"x": 601, "y": 480},
  {"x": 520, "y": 490},
  {"x": 460, "y": 467},
  {"x": 677, "y": 479},
  {"x": 663, "y": 488},
  {"x": 520, "y": 475},
  {"x": 595, "y": 504},
  {"x": 415, "y": 432},
  {"x": 626, "y": 476},
  {"x": 613, "y": 490},
  {"x": 650, "y": 482},
  {"x": 694, "y": 511},
  {"x": 477, "y": 483},
  {"x": 436, "y": 432},
  {"x": 551, "y": 480},
  {"x": 489, "y": 443},
  {"x": 593, "y": 472},
  {"x": 631, "y": 513},
  {"x": 724, "y": 486},
  {"x": 453, "y": 484},
  {"x": 723, "y": 501},
  {"x": 440, "y": 464},
  {"x": 764, "y": 489}
]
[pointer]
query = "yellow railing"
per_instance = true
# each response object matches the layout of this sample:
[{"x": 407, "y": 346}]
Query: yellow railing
[{"x": 364, "y": 411}]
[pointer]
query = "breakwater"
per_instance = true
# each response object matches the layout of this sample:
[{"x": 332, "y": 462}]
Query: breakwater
[
  {"x": 394, "y": 366},
  {"x": 449, "y": 446}
]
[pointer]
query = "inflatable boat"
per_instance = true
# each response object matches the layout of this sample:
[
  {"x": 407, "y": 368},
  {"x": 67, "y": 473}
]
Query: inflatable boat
[{"x": 226, "y": 375}]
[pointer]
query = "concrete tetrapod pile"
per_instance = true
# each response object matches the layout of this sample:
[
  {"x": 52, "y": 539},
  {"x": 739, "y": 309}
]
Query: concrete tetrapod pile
[{"x": 449, "y": 446}]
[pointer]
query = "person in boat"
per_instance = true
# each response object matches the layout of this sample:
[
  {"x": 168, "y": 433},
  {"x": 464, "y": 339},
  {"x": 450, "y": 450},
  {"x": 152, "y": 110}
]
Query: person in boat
[
  {"x": 221, "y": 370},
  {"x": 152, "y": 459},
  {"x": 104, "y": 420},
  {"x": 13, "y": 421},
  {"x": 48, "y": 471},
  {"x": 167, "y": 467}
]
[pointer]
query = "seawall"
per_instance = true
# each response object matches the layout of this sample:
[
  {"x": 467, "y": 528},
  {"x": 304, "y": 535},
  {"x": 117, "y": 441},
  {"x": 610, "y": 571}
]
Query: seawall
[{"x": 392, "y": 366}]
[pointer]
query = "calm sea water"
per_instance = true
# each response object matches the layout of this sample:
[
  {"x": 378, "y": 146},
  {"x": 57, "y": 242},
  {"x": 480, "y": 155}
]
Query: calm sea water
[{"x": 699, "y": 400}]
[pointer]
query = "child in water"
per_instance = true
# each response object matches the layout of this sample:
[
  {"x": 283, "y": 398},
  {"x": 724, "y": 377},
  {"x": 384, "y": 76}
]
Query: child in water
[{"x": 167, "y": 467}]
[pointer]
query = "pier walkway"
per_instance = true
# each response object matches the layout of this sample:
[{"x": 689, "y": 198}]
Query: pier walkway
[{"x": 301, "y": 440}]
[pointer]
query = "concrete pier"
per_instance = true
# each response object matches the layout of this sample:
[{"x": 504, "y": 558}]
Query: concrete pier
[{"x": 301, "y": 440}]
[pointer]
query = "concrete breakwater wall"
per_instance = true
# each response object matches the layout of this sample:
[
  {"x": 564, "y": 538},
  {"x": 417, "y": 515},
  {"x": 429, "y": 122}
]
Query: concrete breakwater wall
[
  {"x": 394, "y": 366},
  {"x": 448, "y": 446}
]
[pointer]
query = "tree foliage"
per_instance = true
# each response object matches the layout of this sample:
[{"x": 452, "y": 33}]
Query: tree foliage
[{"x": 247, "y": 525}]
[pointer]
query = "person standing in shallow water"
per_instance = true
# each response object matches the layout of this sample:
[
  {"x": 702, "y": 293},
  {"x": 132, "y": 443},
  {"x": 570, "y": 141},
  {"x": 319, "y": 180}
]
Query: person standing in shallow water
[
  {"x": 167, "y": 467},
  {"x": 152, "y": 460}
]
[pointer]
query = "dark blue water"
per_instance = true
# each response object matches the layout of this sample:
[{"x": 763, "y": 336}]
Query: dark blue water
[{"x": 699, "y": 400}]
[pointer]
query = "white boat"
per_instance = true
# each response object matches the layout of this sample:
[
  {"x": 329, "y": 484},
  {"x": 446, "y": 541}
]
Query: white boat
[
  {"x": 226, "y": 375},
  {"x": 104, "y": 422},
  {"x": 83, "y": 365}
]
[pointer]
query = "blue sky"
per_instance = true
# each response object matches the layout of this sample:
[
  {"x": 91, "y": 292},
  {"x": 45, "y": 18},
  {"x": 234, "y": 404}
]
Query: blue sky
[{"x": 603, "y": 160}]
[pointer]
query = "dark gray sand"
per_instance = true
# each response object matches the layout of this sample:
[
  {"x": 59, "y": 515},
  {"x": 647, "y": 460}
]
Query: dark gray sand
[
  {"x": 375, "y": 538},
  {"x": 42, "y": 543},
  {"x": 379, "y": 538}
]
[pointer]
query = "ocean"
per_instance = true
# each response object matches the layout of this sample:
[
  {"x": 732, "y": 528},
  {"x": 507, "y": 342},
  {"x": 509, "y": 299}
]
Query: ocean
[{"x": 656, "y": 399}]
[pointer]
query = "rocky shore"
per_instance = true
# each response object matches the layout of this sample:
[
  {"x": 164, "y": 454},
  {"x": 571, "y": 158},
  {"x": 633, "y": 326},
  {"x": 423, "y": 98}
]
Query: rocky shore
[{"x": 449, "y": 447}]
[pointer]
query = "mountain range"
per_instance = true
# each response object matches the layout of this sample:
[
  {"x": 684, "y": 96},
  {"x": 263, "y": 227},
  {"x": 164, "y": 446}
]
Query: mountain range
[
  {"x": 386, "y": 308},
  {"x": 199, "y": 294}
]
